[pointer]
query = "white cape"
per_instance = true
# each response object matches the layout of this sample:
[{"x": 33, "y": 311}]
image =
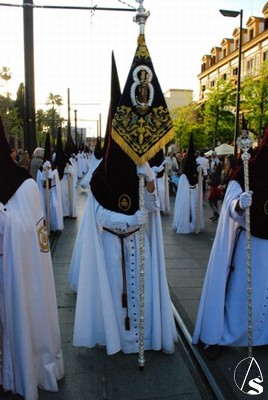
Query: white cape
[
  {"x": 55, "y": 199},
  {"x": 68, "y": 192},
  {"x": 32, "y": 355},
  {"x": 188, "y": 205},
  {"x": 223, "y": 311}
]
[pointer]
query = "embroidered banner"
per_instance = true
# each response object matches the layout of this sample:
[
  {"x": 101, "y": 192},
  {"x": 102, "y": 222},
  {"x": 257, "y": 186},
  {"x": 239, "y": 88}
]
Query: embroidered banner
[{"x": 142, "y": 124}]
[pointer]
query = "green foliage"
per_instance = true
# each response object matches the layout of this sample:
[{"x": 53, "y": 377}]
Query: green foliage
[
  {"x": 10, "y": 116},
  {"x": 218, "y": 117},
  {"x": 255, "y": 101},
  {"x": 185, "y": 120}
]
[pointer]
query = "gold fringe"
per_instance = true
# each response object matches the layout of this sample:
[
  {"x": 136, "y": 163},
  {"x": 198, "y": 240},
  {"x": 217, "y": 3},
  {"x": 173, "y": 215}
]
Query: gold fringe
[{"x": 139, "y": 160}]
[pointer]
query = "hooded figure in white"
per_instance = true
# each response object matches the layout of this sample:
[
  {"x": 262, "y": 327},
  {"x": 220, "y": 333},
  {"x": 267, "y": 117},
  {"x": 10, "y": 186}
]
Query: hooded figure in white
[
  {"x": 188, "y": 214},
  {"x": 159, "y": 165},
  {"x": 107, "y": 308},
  {"x": 30, "y": 344},
  {"x": 67, "y": 179},
  {"x": 48, "y": 182},
  {"x": 223, "y": 311}
]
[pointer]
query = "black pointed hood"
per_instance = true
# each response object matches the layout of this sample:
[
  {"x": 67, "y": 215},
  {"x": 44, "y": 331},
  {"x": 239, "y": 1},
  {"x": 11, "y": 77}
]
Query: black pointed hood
[
  {"x": 115, "y": 95},
  {"x": 115, "y": 182},
  {"x": 47, "y": 153},
  {"x": 190, "y": 167},
  {"x": 98, "y": 150},
  {"x": 60, "y": 159},
  {"x": 11, "y": 175}
]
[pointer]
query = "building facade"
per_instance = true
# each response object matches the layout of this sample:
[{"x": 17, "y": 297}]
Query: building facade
[
  {"x": 178, "y": 98},
  {"x": 222, "y": 62}
]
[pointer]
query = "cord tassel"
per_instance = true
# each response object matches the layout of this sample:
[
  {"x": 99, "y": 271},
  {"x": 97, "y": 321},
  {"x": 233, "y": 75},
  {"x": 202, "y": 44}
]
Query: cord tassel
[
  {"x": 127, "y": 324},
  {"x": 124, "y": 300}
]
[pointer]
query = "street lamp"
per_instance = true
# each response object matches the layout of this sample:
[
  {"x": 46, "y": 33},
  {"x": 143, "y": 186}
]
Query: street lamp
[
  {"x": 233, "y": 14},
  {"x": 75, "y": 128}
]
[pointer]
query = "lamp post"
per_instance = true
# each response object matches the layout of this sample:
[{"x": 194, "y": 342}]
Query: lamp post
[
  {"x": 233, "y": 14},
  {"x": 75, "y": 128}
]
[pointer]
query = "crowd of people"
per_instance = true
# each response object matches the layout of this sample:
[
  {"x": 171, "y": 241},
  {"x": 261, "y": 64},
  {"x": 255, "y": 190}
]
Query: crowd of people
[{"x": 115, "y": 229}]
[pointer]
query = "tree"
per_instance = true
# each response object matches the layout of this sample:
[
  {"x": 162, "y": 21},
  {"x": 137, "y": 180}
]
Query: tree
[
  {"x": 218, "y": 117},
  {"x": 52, "y": 116},
  {"x": 186, "y": 120},
  {"x": 255, "y": 100},
  {"x": 6, "y": 75}
]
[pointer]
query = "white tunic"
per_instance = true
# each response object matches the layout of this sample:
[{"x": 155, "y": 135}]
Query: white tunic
[
  {"x": 55, "y": 199},
  {"x": 222, "y": 315},
  {"x": 30, "y": 335},
  {"x": 188, "y": 208},
  {"x": 68, "y": 192},
  {"x": 162, "y": 189},
  {"x": 100, "y": 317}
]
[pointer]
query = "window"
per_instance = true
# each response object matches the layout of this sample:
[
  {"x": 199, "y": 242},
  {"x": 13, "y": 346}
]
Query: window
[
  {"x": 235, "y": 71},
  {"x": 250, "y": 65},
  {"x": 265, "y": 56},
  {"x": 251, "y": 34}
]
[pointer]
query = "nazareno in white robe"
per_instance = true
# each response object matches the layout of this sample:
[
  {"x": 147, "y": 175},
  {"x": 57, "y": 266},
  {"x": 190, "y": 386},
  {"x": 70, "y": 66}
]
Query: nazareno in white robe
[
  {"x": 99, "y": 316},
  {"x": 93, "y": 164},
  {"x": 73, "y": 274},
  {"x": 55, "y": 199},
  {"x": 68, "y": 192},
  {"x": 30, "y": 334},
  {"x": 187, "y": 205},
  {"x": 223, "y": 312},
  {"x": 162, "y": 189}
]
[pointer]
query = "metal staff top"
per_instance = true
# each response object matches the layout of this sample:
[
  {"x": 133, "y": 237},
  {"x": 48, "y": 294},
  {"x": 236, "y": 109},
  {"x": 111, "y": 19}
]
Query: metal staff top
[
  {"x": 141, "y": 17},
  {"x": 245, "y": 142}
]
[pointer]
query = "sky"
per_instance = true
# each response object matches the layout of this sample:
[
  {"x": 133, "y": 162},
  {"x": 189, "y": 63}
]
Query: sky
[{"x": 72, "y": 48}]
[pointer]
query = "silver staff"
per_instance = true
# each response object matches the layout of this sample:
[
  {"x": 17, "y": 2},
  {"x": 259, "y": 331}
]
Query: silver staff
[
  {"x": 140, "y": 19},
  {"x": 70, "y": 186},
  {"x": 141, "y": 359},
  {"x": 244, "y": 142},
  {"x": 47, "y": 201},
  {"x": 198, "y": 200}
]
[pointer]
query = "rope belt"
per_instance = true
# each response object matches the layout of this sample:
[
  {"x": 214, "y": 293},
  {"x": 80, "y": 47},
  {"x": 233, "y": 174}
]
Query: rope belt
[
  {"x": 231, "y": 267},
  {"x": 122, "y": 236}
]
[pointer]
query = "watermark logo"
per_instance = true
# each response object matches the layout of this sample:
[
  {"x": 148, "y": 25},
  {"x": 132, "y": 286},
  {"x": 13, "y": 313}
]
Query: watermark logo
[{"x": 248, "y": 376}]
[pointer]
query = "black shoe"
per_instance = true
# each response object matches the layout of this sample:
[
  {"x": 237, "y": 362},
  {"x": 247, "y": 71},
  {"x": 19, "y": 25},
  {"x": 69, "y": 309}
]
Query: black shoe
[
  {"x": 213, "y": 216},
  {"x": 212, "y": 352}
]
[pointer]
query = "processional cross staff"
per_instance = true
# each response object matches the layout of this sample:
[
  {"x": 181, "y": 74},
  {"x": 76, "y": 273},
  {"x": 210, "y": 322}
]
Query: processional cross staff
[
  {"x": 142, "y": 126},
  {"x": 244, "y": 142},
  {"x": 141, "y": 19}
]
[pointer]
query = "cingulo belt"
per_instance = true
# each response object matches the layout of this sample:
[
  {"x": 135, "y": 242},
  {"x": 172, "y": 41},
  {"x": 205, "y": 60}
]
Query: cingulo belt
[{"x": 122, "y": 236}]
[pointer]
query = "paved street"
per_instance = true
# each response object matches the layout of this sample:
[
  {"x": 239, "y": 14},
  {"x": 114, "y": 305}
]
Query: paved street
[{"x": 92, "y": 375}]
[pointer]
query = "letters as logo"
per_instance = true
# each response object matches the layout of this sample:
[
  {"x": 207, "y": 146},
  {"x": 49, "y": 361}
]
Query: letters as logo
[{"x": 248, "y": 376}]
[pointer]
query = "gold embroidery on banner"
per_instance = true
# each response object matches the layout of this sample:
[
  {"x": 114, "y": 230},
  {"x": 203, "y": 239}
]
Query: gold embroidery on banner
[
  {"x": 124, "y": 202},
  {"x": 142, "y": 51},
  {"x": 141, "y": 133}
]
